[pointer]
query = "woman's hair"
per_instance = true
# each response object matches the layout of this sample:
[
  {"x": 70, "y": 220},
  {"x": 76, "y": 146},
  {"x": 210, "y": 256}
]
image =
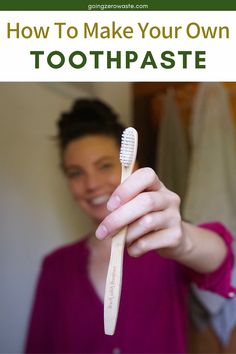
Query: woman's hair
[{"x": 86, "y": 117}]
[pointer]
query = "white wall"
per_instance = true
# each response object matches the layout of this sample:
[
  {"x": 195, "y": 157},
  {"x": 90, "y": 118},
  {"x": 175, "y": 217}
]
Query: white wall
[
  {"x": 37, "y": 213},
  {"x": 119, "y": 95}
]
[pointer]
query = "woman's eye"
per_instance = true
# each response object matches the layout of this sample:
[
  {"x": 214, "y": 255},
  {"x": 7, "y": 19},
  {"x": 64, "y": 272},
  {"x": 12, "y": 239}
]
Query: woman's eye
[
  {"x": 106, "y": 166},
  {"x": 73, "y": 174}
]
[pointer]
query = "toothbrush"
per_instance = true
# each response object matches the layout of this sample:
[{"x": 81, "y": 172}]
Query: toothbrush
[{"x": 128, "y": 151}]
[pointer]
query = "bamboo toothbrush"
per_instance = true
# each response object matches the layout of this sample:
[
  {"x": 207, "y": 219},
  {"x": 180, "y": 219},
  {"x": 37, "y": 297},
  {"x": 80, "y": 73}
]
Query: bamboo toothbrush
[{"x": 128, "y": 151}]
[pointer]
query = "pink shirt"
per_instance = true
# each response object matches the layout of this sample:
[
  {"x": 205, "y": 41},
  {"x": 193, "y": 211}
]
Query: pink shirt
[{"x": 67, "y": 316}]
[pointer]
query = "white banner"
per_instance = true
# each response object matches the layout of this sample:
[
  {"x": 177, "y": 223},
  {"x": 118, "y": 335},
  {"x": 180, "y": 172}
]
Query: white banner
[{"x": 117, "y": 46}]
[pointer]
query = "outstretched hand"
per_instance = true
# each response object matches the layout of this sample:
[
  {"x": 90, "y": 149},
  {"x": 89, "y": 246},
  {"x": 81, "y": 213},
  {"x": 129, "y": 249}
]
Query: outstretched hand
[{"x": 151, "y": 212}]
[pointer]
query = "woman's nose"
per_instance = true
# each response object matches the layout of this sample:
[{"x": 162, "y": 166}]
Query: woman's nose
[{"x": 92, "y": 181}]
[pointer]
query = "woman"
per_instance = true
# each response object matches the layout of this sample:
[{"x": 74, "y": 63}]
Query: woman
[{"x": 164, "y": 254}]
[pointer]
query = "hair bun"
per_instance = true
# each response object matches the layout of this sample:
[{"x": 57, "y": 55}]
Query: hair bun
[
  {"x": 94, "y": 109},
  {"x": 88, "y": 116}
]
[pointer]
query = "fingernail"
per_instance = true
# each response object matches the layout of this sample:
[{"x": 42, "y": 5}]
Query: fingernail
[
  {"x": 133, "y": 251},
  {"x": 101, "y": 232},
  {"x": 113, "y": 203}
]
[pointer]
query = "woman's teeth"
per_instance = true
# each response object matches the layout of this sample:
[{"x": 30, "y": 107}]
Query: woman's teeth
[{"x": 100, "y": 200}]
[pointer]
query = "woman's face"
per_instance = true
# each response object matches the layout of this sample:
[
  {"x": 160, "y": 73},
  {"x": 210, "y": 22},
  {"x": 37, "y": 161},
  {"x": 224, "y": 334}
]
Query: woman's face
[{"x": 93, "y": 170}]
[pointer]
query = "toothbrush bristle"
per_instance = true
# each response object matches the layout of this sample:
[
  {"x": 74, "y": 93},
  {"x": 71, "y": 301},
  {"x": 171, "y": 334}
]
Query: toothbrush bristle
[{"x": 127, "y": 146}]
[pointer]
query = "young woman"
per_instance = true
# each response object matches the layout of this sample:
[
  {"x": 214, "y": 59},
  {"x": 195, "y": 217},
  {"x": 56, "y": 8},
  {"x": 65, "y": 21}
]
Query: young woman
[{"x": 164, "y": 254}]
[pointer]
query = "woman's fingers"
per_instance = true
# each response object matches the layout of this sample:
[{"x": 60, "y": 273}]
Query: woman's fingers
[
  {"x": 144, "y": 179},
  {"x": 152, "y": 222},
  {"x": 158, "y": 240},
  {"x": 150, "y": 211},
  {"x": 146, "y": 212},
  {"x": 136, "y": 208}
]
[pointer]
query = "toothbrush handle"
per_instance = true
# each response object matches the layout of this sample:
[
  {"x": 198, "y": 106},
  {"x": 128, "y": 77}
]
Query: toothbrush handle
[{"x": 113, "y": 282}]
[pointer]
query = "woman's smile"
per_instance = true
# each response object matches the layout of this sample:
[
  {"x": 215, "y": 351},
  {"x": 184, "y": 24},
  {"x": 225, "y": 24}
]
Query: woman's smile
[{"x": 92, "y": 166}]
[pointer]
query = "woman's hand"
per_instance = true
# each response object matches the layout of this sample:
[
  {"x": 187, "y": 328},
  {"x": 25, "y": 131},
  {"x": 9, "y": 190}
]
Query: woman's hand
[{"x": 151, "y": 212}]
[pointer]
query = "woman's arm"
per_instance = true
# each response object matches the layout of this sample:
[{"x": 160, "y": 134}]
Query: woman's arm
[{"x": 203, "y": 250}]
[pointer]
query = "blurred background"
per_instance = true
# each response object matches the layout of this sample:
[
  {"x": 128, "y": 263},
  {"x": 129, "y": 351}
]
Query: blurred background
[{"x": 37, "y": 213}]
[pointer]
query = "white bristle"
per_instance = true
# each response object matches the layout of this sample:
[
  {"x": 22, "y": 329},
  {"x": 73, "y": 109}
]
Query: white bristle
[{"x": 127, "y": 146}]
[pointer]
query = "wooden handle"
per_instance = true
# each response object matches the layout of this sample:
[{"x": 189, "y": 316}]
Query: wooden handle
[
  {"x": 115, "y": 268},
  {"x": 113, "y": 282}
]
